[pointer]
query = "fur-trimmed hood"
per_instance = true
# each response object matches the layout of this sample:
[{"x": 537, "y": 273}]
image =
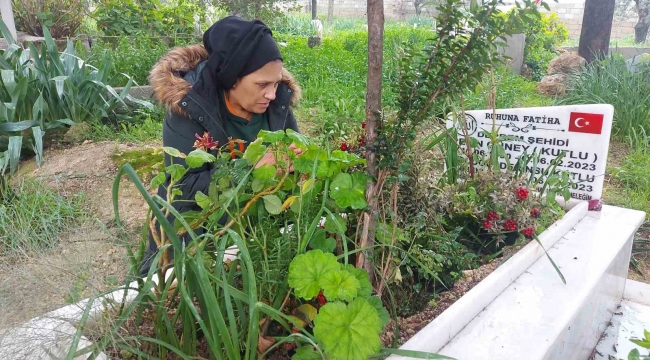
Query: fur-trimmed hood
[{"x": 167, "y": 78}]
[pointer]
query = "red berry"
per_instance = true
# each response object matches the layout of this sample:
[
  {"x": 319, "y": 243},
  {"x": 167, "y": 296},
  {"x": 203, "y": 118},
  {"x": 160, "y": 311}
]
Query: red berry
[
  {"x": 344, "y": 146},
  {"x": 535, "y": 213},
  {"x": 487, "y": 225},
  {"x": 363, "y": 124},
  {"x": 522, "y": 193},
  {"x": 510, "y": 225},
  {"x": 528, "y": 232}
]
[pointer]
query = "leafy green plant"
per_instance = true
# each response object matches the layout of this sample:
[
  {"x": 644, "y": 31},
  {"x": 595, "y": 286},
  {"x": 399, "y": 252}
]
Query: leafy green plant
[
  {"x": 61, "y": 17},
  {"x": 266, "y": 299},
  {"x": 42, "y": 90},
  {"x": 543, "y": 35},
  {"x": 609, "y": 81},
  {"x": 644, "y": 343},
  {"x": 147, "y": 17}
]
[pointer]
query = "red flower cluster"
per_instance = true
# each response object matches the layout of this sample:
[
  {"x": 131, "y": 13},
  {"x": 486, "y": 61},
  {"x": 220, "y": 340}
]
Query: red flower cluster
[
  {"x": 528, "y": 232},
  {"x": 205, "y": 142},
  {"x": 522, "y": 193},
  {"x": 535, "y": 213},
  {"x": 510, "y": 225},
  {"x": 490, "y": 218}
]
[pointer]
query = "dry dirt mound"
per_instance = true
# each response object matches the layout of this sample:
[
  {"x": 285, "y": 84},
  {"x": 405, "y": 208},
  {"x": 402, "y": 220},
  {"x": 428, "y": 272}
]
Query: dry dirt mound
[{"x": 90, "y": 258}]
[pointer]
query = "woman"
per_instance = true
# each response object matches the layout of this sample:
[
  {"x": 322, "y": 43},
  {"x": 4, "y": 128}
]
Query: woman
[{"x": 229, "y": 88}]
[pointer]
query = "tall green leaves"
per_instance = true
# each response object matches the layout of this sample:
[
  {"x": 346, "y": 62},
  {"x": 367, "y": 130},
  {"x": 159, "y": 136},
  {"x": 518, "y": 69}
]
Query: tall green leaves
[{"x": 45, "y": 89}]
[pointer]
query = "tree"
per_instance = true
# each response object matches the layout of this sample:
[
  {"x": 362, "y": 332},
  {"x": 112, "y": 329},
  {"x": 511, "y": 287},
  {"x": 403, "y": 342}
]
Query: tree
[
  {"x": 330, "y": 12},
  {"x": 642, "y": 8},
  {"x": 596, "y": 29},
  {"x": 375, "y": 10}
]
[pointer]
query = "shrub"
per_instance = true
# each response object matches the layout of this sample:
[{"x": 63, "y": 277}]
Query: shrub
[
  {"x": 61, "y": 17},
  {"x": 609, "y": 81},
  {"x": 52, "y": 90},
  {"x": 147, "y": 17},
  {"x": 543, "y": 35},
  {"x": 133, "y": 56}
]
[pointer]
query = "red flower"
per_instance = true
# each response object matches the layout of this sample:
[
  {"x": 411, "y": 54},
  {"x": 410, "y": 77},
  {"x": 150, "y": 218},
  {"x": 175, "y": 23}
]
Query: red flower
[
  {"x": 321, "y": 298},
  {"x": 205, "y": 142},
  {"x": 522, "y": 193},
  {"x": 535, "y": 213},
  {"x": 528, "y": 232},
  {"x": 491, "y": 216},
  {"x": 487, "y": 225},
  {"x": 344, "y": 146},
  {"x": 510, "y": 225}
]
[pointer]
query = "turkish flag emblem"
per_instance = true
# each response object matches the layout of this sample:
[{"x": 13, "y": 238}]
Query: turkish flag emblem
[{"x": 586, "y": 123}]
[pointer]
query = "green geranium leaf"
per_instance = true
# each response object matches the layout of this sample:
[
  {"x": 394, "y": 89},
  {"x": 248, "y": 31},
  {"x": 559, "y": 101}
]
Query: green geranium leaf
[
  {"x": 365, "y": 287},
  {"x": 273, "y": 204},
  {"x": 349, "y": 190},
  {"x": 339, "y": 285},
  {"x": 322, "y": 242},
  {"x": 158, "y": 180},
  {"x": 271, "y": 136},
  {"x": 255, "y": 151},
  {"x": 335, "y": 224},
  {"x": 327, "y": 169},
  {"x": 202, "y": 200},
  {"x": 381, "y": 311},
  {"x": 306, "y": 352},
  {"x": 300, "y": 140},
  {"x": 173, "y": 152},
  {"x": 348, "y": 332},
  {"x": 265, "y": 172},
  {"x": 176, "y": 171},
  {"x": 198, "y": 157},
  {"x": 306, "y": 271}
]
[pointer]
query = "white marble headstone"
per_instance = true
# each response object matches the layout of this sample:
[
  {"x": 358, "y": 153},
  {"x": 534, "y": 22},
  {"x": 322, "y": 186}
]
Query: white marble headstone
[{"x": 581, "y": 131}]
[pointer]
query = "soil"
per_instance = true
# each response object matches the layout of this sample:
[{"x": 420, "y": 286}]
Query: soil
[
  {"x": 409, "y": 326},
  {"x": 90, "y": 258}
]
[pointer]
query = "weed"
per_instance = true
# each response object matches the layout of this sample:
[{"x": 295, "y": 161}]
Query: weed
[
  {"x": 36, "y": 217},
  {"x": 633, "y": 176}
]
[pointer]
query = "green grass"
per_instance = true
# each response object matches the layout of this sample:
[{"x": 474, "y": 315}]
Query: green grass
[
  {"x": 36, "y": 217},
  {"x": 610, "y": 82},
  {"x": 631, "y": 187},
  {"x": 144, "y": 127}
]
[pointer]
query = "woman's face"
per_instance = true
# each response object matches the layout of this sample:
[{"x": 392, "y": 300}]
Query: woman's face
[{"x": 254, "y": 92}]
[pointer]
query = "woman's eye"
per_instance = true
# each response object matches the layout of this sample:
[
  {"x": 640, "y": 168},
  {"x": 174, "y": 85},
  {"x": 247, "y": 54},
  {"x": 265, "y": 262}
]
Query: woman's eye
[{"x": 263, "y": 85}]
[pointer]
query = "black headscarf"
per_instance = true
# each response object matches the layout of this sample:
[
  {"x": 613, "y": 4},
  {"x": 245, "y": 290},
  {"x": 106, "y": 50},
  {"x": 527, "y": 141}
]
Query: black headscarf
[{"x": 236, "y": 48}]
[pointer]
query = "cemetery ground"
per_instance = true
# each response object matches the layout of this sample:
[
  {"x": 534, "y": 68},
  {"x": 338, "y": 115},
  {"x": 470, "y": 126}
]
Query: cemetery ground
[{"x": 62, "y": 244}]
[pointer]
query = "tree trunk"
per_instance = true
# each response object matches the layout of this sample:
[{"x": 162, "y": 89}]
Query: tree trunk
[
  {"x": 330, "y": 12},
  {"x": 596, "y": 29},
  {"x": 314, "y": 6},
  {"x": 641, "y": 27},
  {"x": 373, "y": 122}
]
